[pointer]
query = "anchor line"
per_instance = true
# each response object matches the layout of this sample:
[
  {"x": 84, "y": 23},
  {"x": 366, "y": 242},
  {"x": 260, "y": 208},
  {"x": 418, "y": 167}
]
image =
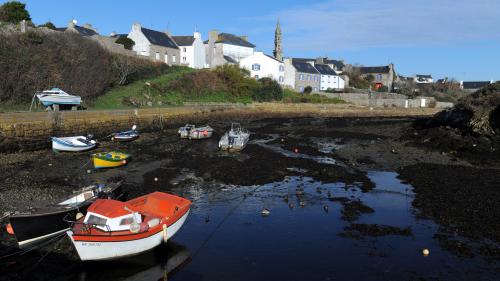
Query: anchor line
[
  {"x": 24, "y": 251},
  {"x": 245, "y": 195}
]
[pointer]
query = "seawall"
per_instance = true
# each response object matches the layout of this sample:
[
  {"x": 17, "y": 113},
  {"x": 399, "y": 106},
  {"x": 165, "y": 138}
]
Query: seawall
[{"x": 32, "y": 130}]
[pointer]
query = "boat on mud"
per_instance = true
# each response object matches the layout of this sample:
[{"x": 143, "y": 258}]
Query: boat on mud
[
  {"x": 113, "y": 229},
  {"x": 73, "y": 144},
  {"x": 235, "y": 139},
  {"x": 195, "y": 133},
  {"x": 58, "y": 97},
  {"x": 39, "y": 224},
  {"x": 126, "y": 136},
  {"x": 109, "y": 159}
]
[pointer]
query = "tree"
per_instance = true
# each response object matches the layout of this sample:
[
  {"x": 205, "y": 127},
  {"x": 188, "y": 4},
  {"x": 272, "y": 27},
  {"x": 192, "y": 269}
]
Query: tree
[
  {"x": 14, "y": 12},
  {"x": 270, "y": 90},
  {"x": 126, "y": 42},
  {"x": 308, "y": 90},
  {"x": 48, "y": 25}
]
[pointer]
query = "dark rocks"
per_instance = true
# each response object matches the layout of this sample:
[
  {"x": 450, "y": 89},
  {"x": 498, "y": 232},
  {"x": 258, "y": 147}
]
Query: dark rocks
[{"x": 358, "y": 231}]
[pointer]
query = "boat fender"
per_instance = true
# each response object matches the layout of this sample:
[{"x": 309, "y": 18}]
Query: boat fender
[
  {"x": 135, "y": 227},
  {"x": 124, "y": 162},
  {"x": 78, "y": 216},
  {"x": 165, "y": 233},
  {"x": 10, "y": 230},
  {"x": 144, "y": 227},
  {"x": 112, "y": 138}
]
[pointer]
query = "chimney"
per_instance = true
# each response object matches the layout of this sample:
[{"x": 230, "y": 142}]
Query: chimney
[
  {"x": 244, "y": 37},
  {"x": 23, "y": 26},
  {"x": 213, "y": 35},
  {"x": 320, "y": 60},
  {"x": 72, "y": 23},
  {"x": 88, "y": 26},
  {"x": 136, "y": 27}
]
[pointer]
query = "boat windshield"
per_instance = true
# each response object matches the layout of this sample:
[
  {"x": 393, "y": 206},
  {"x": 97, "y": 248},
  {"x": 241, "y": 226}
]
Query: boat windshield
[{"x": 96, "y": 220}]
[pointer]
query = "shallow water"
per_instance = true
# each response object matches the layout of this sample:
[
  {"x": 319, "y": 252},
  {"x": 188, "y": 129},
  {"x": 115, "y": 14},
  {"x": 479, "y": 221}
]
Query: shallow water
[{"x": 227, "y": 238}]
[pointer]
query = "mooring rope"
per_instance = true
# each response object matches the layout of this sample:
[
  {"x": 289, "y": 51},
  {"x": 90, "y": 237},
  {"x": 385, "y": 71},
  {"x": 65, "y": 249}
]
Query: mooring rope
[{"x": 24, "y": 251}]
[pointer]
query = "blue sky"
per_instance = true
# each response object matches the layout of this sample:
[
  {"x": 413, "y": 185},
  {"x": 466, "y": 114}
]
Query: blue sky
[{"x": 453, "y": 38}]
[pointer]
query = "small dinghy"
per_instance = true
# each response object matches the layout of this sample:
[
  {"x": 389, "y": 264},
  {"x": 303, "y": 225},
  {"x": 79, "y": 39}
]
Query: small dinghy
[
  {"x": 235, "y": 139},
  {"x": 109, "y": 159},
  {"x": 113, "y": 229},
  {"x": 185, "y": 130},
  {"x": 73, "y": 144},
  {"x": 125, "y": 136},
  {"x": 199, "y": 133},
  {"x": 39, "y": 224}
]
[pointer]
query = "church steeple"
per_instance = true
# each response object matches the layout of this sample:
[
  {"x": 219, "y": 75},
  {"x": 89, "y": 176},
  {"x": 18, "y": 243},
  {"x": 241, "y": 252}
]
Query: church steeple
[{"x": 278, "y": 51}]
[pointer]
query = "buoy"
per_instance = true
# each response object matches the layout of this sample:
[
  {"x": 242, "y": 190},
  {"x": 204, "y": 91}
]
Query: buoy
[
  {"x": 302, "y": 204},
  {"x": 165, "y": 237},
  {"x": 112, "y": 138},
  {"x": 282, "y": 140},
  {"x": 425, "y": 252},
  {"x": 78, "y": 216},
  {"x": 88, "y": 171},
  {"x": 50, "y": 164},
  {"x": 10, "y": 230},
  {"x": 296, "y": 150},
  {"x": 156, "y": 179},
  {"x": 124, "y": 162},
  {"x": 325, "y": 207},
  {"x": 265, "y": 212}
]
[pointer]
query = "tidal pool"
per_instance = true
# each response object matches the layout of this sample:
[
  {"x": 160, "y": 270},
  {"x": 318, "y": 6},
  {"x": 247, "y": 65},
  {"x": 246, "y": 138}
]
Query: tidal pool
[{"x": 306, "y": 236}]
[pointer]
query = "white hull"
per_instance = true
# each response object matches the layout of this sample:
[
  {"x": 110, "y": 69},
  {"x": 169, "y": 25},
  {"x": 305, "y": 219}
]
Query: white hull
[
  {"x": 76, "y": 147},
  {"x": 114, "y": 250}
]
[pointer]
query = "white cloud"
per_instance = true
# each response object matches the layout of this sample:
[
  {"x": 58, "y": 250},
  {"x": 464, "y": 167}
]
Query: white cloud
[{"x": 344, "y": 24}]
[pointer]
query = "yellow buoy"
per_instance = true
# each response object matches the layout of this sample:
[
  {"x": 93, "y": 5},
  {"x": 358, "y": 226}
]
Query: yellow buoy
[{"x": 425, "y": 252}]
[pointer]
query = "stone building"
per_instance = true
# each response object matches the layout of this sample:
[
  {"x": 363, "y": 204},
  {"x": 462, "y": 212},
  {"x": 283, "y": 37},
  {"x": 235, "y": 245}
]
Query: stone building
[
  {"x": 382, "y": 75},
  {"x": 329, "y": 78},
  {"x": 299, "y": 75},
  {"x": 156, "y": 45},
  {"x": 225, "y": 48}
]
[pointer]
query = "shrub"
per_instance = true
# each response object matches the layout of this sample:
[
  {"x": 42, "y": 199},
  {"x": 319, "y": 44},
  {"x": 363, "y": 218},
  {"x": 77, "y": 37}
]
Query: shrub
[
  {"x": 383, "y": 89},
  {"x": 14, "y": 12},
  {"x": 270, "y": 90},
  {"x": 126, "y": 42},
  {"x": 48, "y": 25},
  {"x": 307, "y": 90}
]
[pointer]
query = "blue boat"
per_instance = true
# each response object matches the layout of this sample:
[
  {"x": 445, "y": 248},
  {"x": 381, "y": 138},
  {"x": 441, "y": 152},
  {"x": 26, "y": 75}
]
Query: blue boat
[{"x": 126, "y": 135}]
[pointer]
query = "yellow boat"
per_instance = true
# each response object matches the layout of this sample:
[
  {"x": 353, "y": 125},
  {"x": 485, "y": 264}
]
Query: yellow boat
[{"x": 110, "y": 159}]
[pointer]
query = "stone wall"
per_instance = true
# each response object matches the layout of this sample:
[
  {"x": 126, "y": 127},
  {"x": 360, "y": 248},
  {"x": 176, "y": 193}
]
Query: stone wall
[
  {"x": 32, "y": 130},
  {"x": 386, "y": 100}
]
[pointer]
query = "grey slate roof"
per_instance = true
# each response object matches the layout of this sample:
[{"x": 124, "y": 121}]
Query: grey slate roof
[
  {"x": 184, "y": 40},
  {"x": 374, "y": 69},
  {"x": 426, "y": 76},
  {"x": 158, "y": 38},
  {"x": 304, "y": 67},
  {"x": 325, "y": 69},
  {"x": 232, "y": 39},
  {"x": 475, "y": 84},
  {"x": 338, "y": 64},
  {"x": 81, "y": 30}
]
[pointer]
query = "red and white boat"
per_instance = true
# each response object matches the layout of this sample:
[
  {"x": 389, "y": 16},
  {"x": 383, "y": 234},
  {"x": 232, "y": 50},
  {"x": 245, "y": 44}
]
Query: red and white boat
[{"x": 113, "y": 229}]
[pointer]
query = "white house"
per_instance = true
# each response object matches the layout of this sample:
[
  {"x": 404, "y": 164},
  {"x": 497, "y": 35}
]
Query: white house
[
  {"x": 225, "y": 48},
  {"x": 156, "y": 45},
  {"x": 192, "y": 50},
  {"x": 329, "y": 78},
  {"x": 261, "y": 65}
]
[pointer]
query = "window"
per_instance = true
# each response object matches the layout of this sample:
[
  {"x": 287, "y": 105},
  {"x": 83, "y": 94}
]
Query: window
[
  {"x": 379, "y": 77},
  {"x": 184, "y": 49},
  {"x": 309, "y": 78},
  {"x": 315, "y": 89},
  {"x": 96, "y": 220},
  {"x": 166, "y": 58},
  {"x": 184, "y": 59},
  {"x": 173, "y": 58},
  {"x": 256, "y": 76},
  {"x": 301, "y": 76},
  {"x": 127, "y": 221},
  {"x": 256, "y": 67},
  {"x": 282, "y": 68},
  {"x": 282, "y": 79},
  {"x": 157, "y": 56},
  {"x": 301, "y": 89}
]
